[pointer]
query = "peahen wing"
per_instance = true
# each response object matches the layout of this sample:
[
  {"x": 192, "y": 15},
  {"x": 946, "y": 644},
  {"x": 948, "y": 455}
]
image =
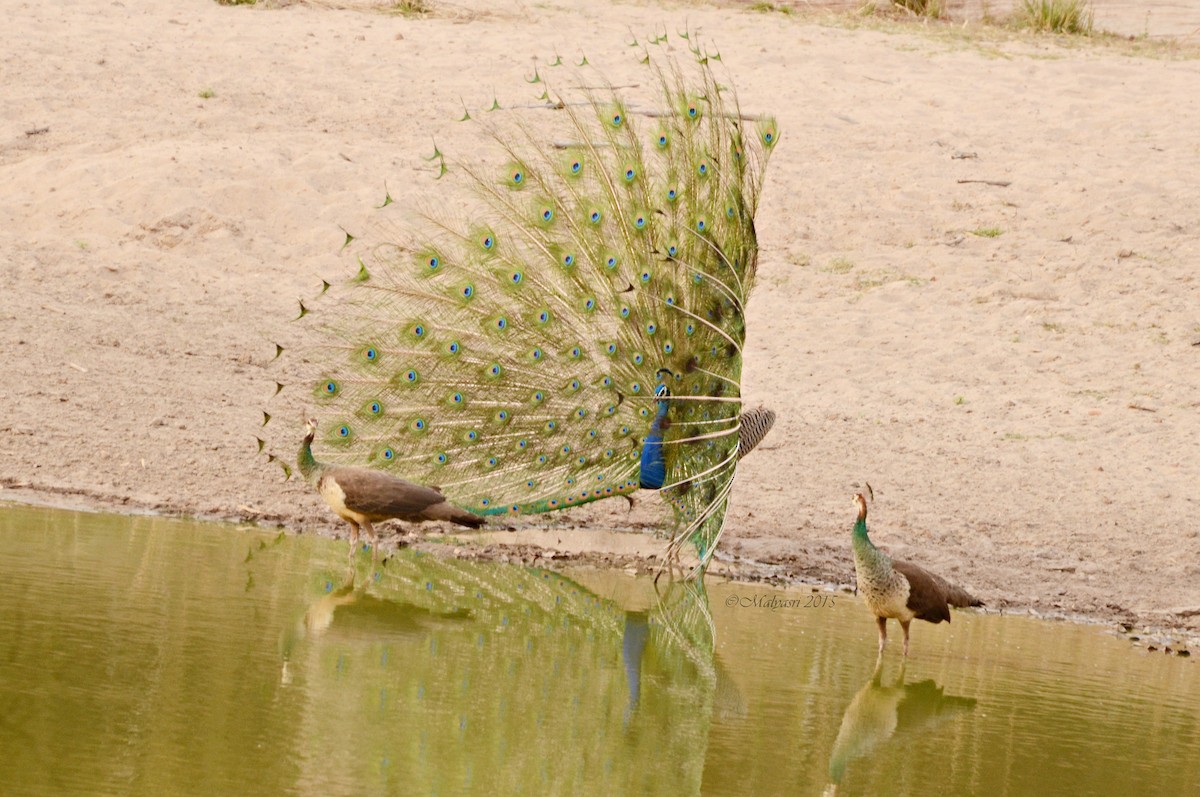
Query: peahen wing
[{"x": 513, "y": 359}]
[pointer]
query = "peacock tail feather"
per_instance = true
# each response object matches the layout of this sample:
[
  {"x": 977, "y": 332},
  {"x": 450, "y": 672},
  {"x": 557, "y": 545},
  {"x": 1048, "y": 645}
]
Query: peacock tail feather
[{"x": 579, "y": 334}]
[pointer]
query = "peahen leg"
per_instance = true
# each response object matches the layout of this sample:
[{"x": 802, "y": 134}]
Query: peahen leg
[
  {"x": 353, "y": 538},
  {"x": 374, "y": 539},
  {"x": 904, "y": 625},
  {"x": 882, "y": 623}
]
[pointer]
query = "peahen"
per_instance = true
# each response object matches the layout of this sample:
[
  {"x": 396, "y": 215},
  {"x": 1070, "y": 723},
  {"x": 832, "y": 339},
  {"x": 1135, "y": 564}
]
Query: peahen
[
  {"x": 363, "y": 497},
  {"x": 580, "y": 334},
  {"x": 900, "y": 590}
]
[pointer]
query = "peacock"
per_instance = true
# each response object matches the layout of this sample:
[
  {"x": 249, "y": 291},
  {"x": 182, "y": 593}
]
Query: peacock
[
  {"x": 363, "y": 497},
  {"x": 900, "y": 590},
  {"x": 579, "y": 333}
]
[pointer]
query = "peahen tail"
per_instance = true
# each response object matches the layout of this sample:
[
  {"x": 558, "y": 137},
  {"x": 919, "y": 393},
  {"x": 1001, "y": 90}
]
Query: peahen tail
[
  {"x": 960, "y": 598},
  {"x": 592, "y": 300}
]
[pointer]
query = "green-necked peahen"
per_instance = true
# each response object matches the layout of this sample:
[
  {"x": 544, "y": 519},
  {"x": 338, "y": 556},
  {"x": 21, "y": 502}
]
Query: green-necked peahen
[
  {"x": 363, "y": 497},
  {"x": 579, "y": 334},
  {"x": 900, "y": 590}
]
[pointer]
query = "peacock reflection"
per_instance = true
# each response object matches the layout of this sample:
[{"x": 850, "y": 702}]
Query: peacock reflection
[
  {"x": 463, "y": 669},
  {"x": 878, "y": 714}
]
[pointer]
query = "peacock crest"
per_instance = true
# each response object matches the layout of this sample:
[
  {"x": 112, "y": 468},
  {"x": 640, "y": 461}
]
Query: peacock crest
[{"x": 577, "y": 332}]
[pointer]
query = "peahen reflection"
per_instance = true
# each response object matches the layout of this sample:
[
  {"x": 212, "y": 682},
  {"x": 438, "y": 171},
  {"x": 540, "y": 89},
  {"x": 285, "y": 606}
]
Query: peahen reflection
[
  {"x": 466, "y": 670},
  {"x": 878, "y": 712}
]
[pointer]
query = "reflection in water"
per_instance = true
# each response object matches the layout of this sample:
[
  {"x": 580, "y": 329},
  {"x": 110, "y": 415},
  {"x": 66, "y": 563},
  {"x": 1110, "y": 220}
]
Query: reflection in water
[
  {"x": 463, "y": 669},
  {"x": 158, "y": 658},
  {"x": 878, "y": 713}
]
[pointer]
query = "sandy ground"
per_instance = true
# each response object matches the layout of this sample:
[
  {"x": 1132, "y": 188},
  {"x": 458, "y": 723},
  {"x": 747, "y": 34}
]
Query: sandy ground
[{"x": 1026, "y": 406}]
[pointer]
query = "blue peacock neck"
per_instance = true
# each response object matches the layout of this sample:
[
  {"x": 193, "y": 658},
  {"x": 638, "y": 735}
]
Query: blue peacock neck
[{"x": 653, "y": 467}]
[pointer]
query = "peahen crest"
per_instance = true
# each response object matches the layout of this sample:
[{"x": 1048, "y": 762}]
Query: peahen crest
[{"x": 579, "y": 334}]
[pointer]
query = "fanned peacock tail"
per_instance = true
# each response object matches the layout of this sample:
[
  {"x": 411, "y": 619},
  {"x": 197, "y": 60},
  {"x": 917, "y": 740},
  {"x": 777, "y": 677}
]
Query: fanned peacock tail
[{"x": 582, "y": 336}]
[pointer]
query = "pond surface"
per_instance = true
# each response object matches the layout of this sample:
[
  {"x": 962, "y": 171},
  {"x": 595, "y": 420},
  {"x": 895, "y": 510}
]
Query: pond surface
[{"x": 145, "y": 656}]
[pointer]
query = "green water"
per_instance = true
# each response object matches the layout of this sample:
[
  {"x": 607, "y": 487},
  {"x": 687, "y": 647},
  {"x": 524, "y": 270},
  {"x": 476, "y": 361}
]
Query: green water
[{"x": 143, "y": 656}]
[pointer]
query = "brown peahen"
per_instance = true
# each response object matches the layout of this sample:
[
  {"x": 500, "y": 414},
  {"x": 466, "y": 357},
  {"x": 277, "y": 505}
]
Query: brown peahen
[
  {"x": 900, "y": 590},
  {"x": 578, "y": 333},
  {"x": 363, "y": 497}
]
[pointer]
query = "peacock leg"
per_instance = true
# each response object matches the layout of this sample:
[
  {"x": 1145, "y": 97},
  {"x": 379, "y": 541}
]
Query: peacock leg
[
  {"x": 882, "y": 623},
  {"x": 904, "y": 625}
]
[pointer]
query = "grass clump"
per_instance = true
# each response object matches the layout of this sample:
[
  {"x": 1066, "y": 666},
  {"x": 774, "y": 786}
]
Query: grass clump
[
  {"x": 411, "y": 8},
  {"x": 236, "y": 2},
  {"x": 771, "y": 8},
  {"x": 206, "y": 94},
  {"x": 1056, "y": 16},
  {"x": 988, "y": 232},
  {"x": 934, "y": 9}
]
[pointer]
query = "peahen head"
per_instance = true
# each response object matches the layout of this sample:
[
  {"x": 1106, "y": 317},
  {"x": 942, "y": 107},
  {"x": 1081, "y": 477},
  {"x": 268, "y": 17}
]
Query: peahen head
[
  {"x": 310, "y": 429},
  {"x": 860, "y": 504}
]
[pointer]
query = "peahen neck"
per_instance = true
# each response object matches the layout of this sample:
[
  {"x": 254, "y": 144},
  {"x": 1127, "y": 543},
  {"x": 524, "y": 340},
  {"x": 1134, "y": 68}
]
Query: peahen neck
[
  {"x": 865, "y": 552},
  {"x": 310, "y": 469}
]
